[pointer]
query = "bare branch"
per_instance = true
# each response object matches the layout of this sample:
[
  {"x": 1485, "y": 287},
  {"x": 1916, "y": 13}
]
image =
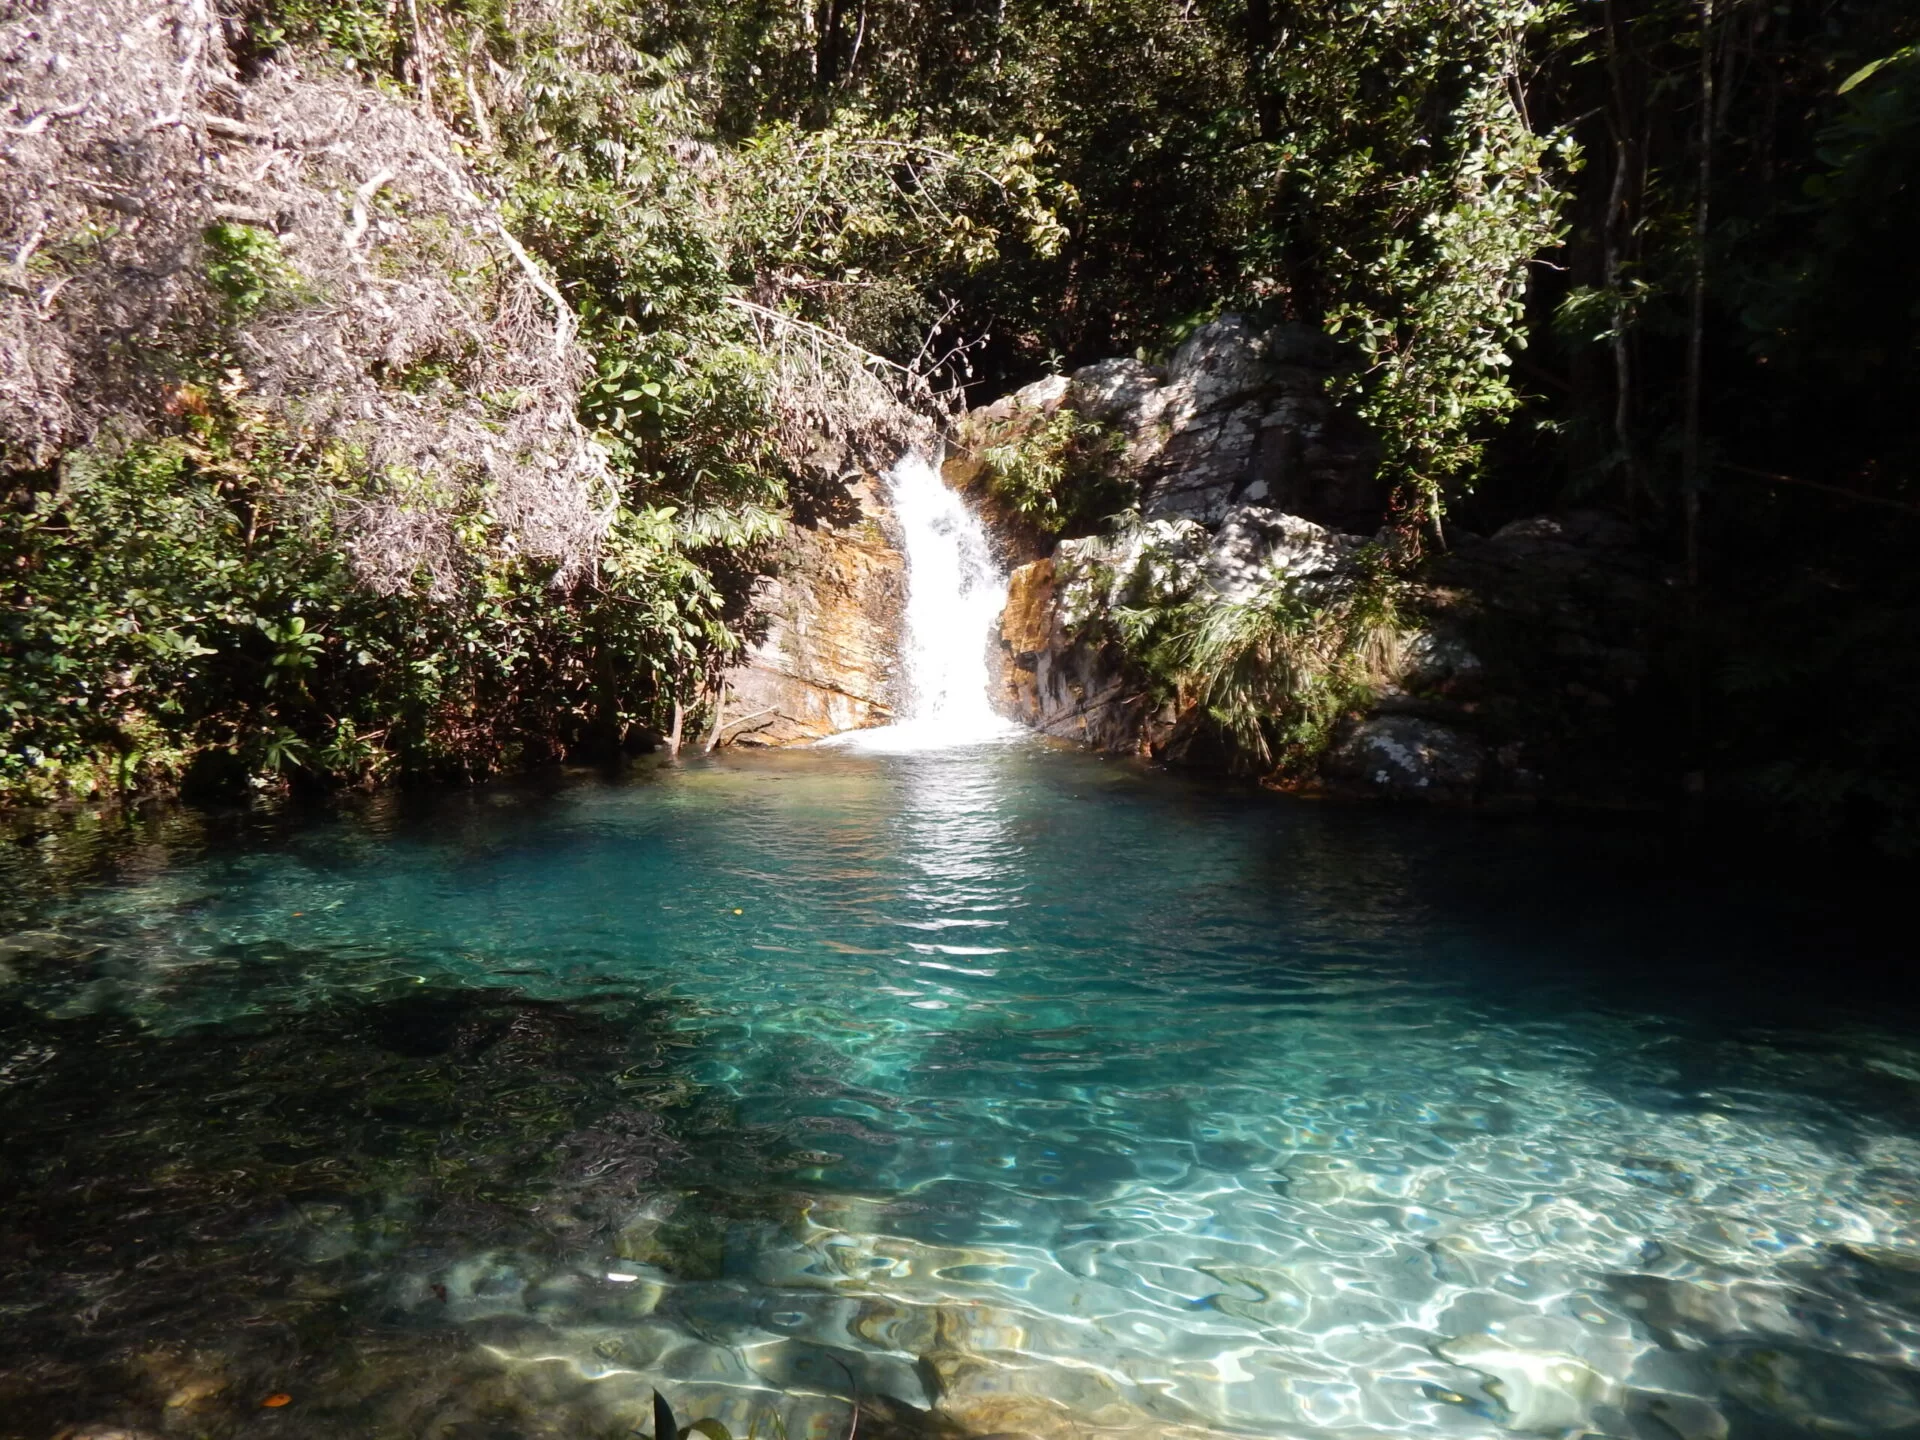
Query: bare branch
[
  {"x": 336, "y": 358},
  {"x": 234, "y": 129},
  {"x": 357, "y": 230},
  {"x": 44, "y": 118},
  {"x": 819, "y": 333}
]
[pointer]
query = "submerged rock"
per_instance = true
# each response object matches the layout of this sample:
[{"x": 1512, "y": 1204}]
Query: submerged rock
[{"x": 1538, "y": 1392}]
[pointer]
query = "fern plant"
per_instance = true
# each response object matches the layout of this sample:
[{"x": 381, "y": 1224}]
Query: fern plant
[
  {"x": 1062, "y": 477},
  {"x": 1275, "y": 669}
]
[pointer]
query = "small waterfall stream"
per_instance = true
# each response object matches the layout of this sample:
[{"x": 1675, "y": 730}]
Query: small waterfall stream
[{"x": 955, "y": 593}]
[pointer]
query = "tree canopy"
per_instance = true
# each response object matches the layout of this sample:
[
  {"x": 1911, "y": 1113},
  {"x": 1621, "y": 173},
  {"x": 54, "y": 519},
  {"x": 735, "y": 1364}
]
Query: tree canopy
[{"x": 411, "y": 389}]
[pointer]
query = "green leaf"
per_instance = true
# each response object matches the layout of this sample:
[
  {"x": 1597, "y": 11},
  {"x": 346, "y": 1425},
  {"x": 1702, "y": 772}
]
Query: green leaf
[{"x": 1868, "y": 71}]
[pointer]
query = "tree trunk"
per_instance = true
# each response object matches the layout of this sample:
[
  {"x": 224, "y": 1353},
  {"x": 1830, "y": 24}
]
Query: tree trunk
[
  {"x": 719, "y": 718},
  {"x": 828, "y": 47},
  {"x": 1691, "y": 479},
  {"x": 1266, "y": 105},
  {"x": 1615, "y": 233},
  {"x": 422, "y": 61}
]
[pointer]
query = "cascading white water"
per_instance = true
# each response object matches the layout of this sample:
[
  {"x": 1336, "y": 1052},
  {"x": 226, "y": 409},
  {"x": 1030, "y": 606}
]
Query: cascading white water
[{"x": 955, "y": 593}]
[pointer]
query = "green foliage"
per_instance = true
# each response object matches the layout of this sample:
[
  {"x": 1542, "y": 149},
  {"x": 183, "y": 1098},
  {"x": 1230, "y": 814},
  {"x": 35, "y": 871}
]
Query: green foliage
[
  {"x": 1061, "y": 477},
  {"x": 1448, "y": 306},
  {"x": 1410, "y": 194},
  {"x": 1278, "y": 669},
  {"x": 1832, "y": 322},
  {"x": 599, "y": 188},
  {"x": 1874, "y": 67},
  {"x": 185, "y": 596},
  {"x": 246, "y": 268},
  {"x": 364, "y": 34},
  {"x": 869, "y": 199}
]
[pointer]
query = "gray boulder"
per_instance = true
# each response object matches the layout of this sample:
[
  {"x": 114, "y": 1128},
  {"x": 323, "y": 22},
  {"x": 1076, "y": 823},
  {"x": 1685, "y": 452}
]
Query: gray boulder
[
  {"x": 1241, "y": 417},
  {"x": 1254, "y": 542},
  {"x": 1436, "y": 657},
  {"x": 1120, "y": 392},
  {"x": 1404, "y": 757}
]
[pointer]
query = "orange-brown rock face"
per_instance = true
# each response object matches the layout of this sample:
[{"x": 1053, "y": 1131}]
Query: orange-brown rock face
[
  {"x": 1026, "y": 626},
  {"x": 1057, "y": 684},
  {"x": 830, "y": 641}
]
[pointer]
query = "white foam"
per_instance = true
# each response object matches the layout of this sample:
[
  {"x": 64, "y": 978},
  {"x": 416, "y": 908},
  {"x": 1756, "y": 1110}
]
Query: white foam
[{"x": 955, "y": 593}]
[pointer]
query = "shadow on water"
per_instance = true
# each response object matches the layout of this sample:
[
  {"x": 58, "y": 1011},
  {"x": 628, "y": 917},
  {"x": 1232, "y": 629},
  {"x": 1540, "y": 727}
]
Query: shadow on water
[
  {"x": 981, "y": 1085},
  {"x": 202, "y": 1218}
]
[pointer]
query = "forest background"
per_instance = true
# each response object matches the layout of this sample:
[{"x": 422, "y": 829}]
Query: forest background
[{"x": 413, "y": 389}]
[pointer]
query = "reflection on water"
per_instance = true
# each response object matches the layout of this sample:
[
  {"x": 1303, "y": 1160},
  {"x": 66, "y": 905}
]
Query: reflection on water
[{"x": 997, "y": 1089}]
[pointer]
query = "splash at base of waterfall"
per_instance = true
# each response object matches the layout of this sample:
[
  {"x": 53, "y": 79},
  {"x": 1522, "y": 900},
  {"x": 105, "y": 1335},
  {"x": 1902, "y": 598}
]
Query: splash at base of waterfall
[{"x": 955, "y": 593}]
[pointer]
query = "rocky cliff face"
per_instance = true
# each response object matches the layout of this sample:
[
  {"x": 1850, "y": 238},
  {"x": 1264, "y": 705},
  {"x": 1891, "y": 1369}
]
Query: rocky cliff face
[
  {"x": 829, "y": 625},
  {"x": 1522, "y": 665},
  {"x": 1062, "y": 672},
  {"x": 1061, "y": 684},
  {"x": 1239, "y": 416}
]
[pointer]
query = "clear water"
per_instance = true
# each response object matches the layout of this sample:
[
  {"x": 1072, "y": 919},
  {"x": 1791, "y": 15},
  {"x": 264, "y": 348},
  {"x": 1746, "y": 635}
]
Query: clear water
[{"x": 989, "y": 1090}]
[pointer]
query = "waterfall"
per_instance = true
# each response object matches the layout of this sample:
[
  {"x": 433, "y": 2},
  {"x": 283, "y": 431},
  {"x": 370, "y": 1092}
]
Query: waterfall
[{"x": 955, "y": 593}]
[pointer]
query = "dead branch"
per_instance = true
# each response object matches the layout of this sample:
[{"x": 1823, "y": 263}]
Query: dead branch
[
  {"x": 731, "y": 731},
  {"x": 44, "y": 118},
  {"x": 144, "y": 94},
  {"x": 361, "y": 197}
]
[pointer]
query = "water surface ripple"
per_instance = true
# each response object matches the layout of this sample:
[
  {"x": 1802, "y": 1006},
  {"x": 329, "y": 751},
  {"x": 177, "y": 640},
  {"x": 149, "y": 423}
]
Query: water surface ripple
[{"x": 999, "y": 1088}]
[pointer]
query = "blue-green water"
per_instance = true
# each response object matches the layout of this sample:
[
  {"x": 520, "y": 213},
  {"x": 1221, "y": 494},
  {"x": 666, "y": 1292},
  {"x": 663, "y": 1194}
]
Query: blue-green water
[{"x": 999, "y": 1088}]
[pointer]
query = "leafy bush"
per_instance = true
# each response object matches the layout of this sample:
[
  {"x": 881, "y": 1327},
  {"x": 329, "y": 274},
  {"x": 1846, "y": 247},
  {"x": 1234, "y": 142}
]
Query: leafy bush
[
  {"x": 1061, "y": 477},
  {"x": 184, "y": 598},
  {"x": 1272, "y": 670}
]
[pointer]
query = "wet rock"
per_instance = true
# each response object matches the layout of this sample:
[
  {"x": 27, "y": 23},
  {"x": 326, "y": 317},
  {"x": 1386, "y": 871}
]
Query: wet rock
[
  {"x": 1526, "y": 669},
  {"x": 1567, "y": 616},
  {"x": 830, "y": 628},
  {"x": 1061, "y": 671},
  {"x": 1405, "y": 757},
  {"x": 1073, "y": 687}
]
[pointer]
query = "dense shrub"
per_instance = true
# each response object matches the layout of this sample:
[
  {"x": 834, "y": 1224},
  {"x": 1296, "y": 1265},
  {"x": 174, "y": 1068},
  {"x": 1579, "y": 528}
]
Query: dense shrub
[{"x": 179, "y": 598}]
